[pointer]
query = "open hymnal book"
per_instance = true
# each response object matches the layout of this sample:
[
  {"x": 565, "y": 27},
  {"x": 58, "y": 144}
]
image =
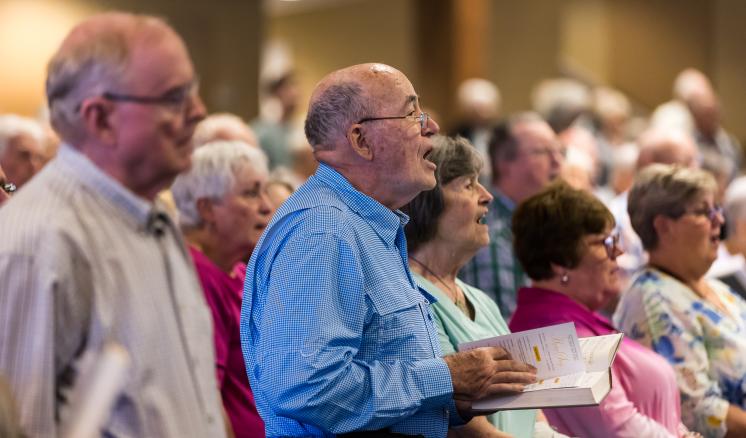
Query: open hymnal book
[{"x": 571, "y": 371}]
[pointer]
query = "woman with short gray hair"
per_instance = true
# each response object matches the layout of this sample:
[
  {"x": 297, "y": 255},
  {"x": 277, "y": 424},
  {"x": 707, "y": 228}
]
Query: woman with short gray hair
[
  {"x": 223, "y": 210},
  {"x": 445, "y": 230},
  {"x": 698, "y": 324}
]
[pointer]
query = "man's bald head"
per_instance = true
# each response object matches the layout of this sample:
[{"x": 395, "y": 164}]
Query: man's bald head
[
  {"x": 93, "y": 57},
  {"x": 667, "y": 147},
  {"x": 344, "y": 97}
]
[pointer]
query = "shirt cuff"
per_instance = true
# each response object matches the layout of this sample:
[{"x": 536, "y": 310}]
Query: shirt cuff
[{"x": 434, "y": 381}]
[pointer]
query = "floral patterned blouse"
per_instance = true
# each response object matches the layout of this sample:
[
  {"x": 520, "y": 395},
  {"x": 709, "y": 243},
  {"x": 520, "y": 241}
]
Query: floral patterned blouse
[{"x": 706, "y": 346}]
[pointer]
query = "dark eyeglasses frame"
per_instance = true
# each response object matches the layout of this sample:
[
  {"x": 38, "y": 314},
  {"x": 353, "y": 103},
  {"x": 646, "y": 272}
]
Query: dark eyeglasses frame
[
  {"x": 176, "y": 97},
  {"x": 423, "y": 118},
  {"x": 610, "y": 243}
]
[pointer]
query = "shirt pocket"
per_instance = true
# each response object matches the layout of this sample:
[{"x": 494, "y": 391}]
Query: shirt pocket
[{"x": 398, "y": 320}]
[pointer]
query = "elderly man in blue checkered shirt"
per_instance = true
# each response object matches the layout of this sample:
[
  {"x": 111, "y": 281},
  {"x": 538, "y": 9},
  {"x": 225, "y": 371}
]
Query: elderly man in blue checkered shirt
[{"x": 337, "y": 337}]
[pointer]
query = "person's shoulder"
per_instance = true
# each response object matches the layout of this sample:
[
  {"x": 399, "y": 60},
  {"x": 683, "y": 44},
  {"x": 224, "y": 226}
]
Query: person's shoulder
[{"x": 39, "y": 211}]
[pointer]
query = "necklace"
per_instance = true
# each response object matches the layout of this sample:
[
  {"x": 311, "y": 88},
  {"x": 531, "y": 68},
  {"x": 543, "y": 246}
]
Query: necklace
[{"x": 458, "y": 299}]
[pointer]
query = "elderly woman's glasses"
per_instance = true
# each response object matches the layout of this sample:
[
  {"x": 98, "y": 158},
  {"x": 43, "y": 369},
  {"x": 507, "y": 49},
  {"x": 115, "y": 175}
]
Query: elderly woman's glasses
[
  {"x": 423, "y": 118},
  {"x": 710, "y": 213},
  {"x": 8, "y": 187},
  {"x": 610, "y": 243}
]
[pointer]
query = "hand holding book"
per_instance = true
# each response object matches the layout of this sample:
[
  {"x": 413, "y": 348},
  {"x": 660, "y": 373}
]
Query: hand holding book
[{"x": 486, "y": 372}]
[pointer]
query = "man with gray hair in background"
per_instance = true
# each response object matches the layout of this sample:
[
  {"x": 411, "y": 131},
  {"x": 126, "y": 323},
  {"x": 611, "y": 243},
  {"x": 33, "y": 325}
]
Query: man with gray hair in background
[{"x": 89, "y": 260}]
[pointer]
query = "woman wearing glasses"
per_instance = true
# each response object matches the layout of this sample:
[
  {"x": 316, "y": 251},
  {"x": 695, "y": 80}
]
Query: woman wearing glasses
[
  {"x": 566, "y": 243},
  {"x": 698, "y": 324}
]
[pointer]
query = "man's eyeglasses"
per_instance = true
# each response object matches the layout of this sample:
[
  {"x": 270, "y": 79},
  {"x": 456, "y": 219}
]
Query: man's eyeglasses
[
  {"x": 710, "y": 213},
  {"x": 549, "y": 151},
  {"x": 8, "y": 187},
  {"x": 423, "y": 118},
  {"x": 175, "y": 98},
  {"x": 610, "y": 243}
]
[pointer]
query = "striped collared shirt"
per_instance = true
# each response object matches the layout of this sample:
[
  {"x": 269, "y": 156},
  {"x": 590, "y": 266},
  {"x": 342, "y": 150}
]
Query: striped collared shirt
[{"x": 83, "y": 261}]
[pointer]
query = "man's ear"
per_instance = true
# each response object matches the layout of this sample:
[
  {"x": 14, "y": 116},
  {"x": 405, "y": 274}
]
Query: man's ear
[
  {"x": 96, "y": 113},
  {"x": 359, "y": 143},
  {"x": 205, "y": 210}
]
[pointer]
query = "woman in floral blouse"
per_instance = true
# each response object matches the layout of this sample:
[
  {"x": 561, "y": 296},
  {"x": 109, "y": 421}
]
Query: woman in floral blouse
[{"x": 698, "y": 324}]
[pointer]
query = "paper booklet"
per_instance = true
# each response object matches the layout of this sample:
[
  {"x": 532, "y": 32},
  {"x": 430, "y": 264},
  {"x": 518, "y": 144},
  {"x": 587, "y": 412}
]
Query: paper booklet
[{"x": 571, "y": 371}]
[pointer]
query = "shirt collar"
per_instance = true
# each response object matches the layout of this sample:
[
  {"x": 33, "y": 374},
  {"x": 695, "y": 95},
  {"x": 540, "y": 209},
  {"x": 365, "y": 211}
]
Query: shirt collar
[
  {"x": 384, "y": 221},
  {"x": 136, "y": 209},
  {"x": 544, "y": 300}
]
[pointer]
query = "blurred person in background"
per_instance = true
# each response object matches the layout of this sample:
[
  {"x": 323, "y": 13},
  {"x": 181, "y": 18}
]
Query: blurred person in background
[
  {"x": 696, "y": 109},
  {"x": 655, "y": 146},
  {"x": 479, "y": 107},
  {"x": 525, "y": 155},
  {"x": 445, "y": 229},
  {"x": 23, "y": 144},
  {"x": 698, "y": 324},
  {"x": 280, "y": 97},
  {"x": 223, "y": 210},
  {"x": 730, "y": 264},
  {"x": 571, "y": 260}
]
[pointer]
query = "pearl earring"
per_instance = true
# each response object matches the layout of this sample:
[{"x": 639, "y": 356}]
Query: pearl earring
[{"x": 565, "y": 279}]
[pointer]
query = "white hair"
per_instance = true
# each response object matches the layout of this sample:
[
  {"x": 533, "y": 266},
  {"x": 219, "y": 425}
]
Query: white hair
[
  {"x": 212, "y": 176},
  {"x": 12, "y": 126},
  {"x": 479, "y": 92},
  {"x": 216, "y": 126}
]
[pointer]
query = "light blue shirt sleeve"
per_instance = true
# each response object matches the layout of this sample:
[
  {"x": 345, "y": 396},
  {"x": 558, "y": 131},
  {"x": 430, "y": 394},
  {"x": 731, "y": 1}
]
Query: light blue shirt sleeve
[{"x": 332, "y": 348}]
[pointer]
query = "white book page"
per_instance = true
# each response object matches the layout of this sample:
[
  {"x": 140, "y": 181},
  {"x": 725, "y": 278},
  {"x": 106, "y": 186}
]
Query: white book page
[
  {"x": 599, "y": 351},
  {"x": 568, "y": 381},
  {"x": 553, "y": 350}
]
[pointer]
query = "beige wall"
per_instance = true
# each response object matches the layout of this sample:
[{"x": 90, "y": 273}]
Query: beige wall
[
  {"x": 345, "y": 34},
  {"x": 523, "y": 48},
  {"x": 222, "y": 35}
]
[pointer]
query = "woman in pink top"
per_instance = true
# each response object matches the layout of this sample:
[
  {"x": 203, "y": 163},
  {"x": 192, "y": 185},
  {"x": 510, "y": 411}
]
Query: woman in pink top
[
  {"x": 223, "y": 210},
  {"x": 564, "y": 240}
]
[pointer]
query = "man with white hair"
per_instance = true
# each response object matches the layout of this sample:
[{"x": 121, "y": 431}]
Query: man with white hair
[
  {"x": 22, "y": 148},
  {"x": 88, "y": 259},
  {"x": 730, "y": 265}
]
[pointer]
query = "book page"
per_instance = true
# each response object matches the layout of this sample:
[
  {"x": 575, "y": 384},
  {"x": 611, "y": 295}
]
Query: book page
[
  {"x": 553, "y": 350},
  {"x": 599, "y": 351},
  {"x": 568, "y": 381}
]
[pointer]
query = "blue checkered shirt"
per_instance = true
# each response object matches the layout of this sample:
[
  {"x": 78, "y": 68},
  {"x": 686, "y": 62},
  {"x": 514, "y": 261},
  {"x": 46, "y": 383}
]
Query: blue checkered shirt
[{"x": 336, "y": 334}]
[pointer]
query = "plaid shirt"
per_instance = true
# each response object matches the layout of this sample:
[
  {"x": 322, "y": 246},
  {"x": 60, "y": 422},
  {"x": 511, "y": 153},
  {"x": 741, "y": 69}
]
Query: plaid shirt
[
  {"x": 494, "y": 269},
  {"x": 336, "y": 334}
]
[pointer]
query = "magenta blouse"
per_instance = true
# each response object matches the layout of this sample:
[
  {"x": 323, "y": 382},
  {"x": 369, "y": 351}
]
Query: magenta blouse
[
  {"x": 223, "y": 293},
  {"x": 644, "y": 399}
]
